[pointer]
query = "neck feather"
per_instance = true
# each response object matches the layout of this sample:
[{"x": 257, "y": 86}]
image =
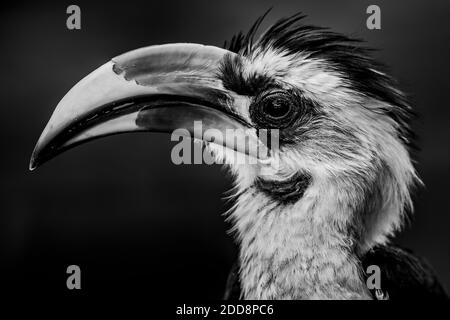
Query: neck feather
[{"x": 301, "y": 250}]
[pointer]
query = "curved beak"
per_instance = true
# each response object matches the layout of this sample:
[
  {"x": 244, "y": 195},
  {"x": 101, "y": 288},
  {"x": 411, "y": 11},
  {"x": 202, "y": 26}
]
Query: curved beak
[{"x": 157, "y": 88}]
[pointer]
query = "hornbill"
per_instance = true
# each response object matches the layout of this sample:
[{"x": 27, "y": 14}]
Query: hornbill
[{"x": 309, "y": 227}]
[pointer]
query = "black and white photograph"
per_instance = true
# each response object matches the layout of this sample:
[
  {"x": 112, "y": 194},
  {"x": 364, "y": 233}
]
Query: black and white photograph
[{"x": 215, "y": 157}]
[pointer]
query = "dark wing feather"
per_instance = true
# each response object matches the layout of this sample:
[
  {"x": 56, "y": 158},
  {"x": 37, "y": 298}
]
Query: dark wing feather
[{"x": 404, "y": 275}]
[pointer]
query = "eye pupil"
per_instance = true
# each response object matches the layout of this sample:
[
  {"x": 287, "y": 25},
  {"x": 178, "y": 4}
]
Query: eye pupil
[{"x": 276, "y": 108}]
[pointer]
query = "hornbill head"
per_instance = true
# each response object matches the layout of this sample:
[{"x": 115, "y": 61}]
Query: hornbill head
[{"x": 343, "y": 171}]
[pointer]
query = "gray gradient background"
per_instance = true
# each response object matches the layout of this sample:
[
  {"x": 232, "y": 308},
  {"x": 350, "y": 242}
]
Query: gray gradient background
[{"x": 118, "y": 207}]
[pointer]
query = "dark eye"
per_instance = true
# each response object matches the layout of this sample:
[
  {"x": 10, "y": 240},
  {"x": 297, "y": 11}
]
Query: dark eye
[
  {"x": 276, "y": 107},
  {"x": 274, "y": 110}
]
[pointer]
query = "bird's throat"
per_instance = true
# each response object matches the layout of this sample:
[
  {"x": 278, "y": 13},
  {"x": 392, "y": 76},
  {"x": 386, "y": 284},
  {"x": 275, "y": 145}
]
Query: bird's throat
[{"x": 294, "y": 251}]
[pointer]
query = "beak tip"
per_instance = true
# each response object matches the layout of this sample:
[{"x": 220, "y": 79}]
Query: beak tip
[
  {"x": 35, "y": 160},
  {"x": 33, "y": 163}
]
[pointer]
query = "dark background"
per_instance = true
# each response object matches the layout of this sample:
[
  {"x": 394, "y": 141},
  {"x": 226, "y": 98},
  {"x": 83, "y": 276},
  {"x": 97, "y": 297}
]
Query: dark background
[{"x": 118, "y": 207}]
